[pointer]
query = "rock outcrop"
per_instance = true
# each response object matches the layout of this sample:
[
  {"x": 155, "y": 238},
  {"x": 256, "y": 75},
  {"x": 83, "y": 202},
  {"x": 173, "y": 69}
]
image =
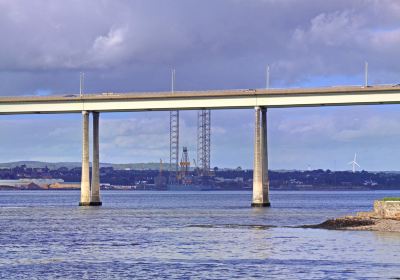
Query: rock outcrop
[{"x": 385, "y": 217}]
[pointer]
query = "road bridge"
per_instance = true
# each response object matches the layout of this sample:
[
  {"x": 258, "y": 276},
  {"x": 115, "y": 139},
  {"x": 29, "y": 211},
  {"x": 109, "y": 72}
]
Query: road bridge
[
  {"x": 196, "y": 100},
  {"x": 259, "y": 99}
]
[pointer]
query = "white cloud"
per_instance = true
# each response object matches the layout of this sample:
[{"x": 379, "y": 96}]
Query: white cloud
[{"x": 109, "y": 48}]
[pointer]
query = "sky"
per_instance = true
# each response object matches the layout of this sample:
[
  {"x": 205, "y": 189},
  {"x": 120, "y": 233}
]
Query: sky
[{"x": 126, "y": 46}]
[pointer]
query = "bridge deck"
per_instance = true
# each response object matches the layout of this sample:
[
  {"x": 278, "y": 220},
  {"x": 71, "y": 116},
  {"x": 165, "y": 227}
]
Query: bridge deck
[
  {"x": 208, "y": 93},
  {"x": 213, "y": 99}
]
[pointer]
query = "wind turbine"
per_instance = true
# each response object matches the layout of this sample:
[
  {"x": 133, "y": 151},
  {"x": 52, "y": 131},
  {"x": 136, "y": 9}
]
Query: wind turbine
[{"x": 354, "y": 163}]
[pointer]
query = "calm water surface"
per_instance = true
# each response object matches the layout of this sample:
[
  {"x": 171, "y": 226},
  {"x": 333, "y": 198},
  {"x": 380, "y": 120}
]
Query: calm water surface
[{"x": 194, "y": 235}]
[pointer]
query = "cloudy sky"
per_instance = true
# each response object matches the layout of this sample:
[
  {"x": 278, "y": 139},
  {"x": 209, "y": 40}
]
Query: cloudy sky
[{"x": 126, "y": 45}]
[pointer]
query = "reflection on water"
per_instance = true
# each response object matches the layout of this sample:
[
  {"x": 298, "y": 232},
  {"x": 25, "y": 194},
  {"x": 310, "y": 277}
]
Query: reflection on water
[{"x": 213, "y": 235}]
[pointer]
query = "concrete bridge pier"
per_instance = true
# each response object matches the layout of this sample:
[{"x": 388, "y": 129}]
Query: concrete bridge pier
[
  {"x": 85, "y": 183},
  {"x": 90, "y": 195},
  {"x": 95, "y": 189},
  {"x": 260, "y": 173}
]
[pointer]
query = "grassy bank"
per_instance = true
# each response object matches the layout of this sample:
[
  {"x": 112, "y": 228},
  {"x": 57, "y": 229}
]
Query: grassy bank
[{"x": 391, "y": 199}]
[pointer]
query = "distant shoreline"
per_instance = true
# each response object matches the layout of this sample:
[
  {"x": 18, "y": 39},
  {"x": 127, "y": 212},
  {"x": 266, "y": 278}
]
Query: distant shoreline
[{"x": 209, "y": 190}]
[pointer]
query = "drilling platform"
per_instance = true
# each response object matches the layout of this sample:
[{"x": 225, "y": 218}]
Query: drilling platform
[{"x": 182, "y": 177}]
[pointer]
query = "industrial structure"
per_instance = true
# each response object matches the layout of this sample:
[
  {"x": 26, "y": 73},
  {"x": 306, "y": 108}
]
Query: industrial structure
[
  {"x": 173, "y": 137},
  {"x": 185, "y": 165},
  {"x": 173, "y": 144},
  {"x": 204, "y": 142},
  {"x": 203, "y": 148},
  {"x": 259, "y": 99}
]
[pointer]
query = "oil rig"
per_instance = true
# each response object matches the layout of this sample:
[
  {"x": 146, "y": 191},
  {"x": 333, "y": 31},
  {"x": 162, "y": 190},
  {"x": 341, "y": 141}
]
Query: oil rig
[{"x": 180, "y": 177}]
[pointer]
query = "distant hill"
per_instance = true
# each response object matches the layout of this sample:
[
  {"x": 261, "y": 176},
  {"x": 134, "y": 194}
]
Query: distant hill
[{"x": 56, "y": 165}]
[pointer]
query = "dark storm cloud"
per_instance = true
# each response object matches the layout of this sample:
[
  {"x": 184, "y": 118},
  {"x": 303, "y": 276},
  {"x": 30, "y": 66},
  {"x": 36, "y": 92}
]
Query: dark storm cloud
[{"x": 134, "y": 43}]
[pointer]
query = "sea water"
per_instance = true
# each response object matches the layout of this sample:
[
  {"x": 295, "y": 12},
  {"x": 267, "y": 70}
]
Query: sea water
[{"x": 190, "y": 235}]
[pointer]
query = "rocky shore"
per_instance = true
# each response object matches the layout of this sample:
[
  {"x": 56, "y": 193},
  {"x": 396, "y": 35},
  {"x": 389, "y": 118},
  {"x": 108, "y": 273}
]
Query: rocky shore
[
  {"x": 358, "y": 223},
  {"x": 384, "y": 218}
]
